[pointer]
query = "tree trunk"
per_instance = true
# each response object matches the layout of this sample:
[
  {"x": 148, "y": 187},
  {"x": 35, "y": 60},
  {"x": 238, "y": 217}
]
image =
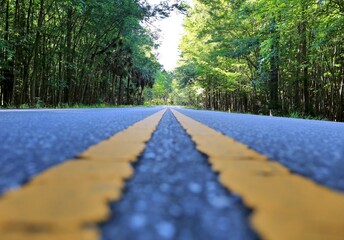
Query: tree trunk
[
  {"x": 128, "y": 91},
  {"x": 7, "y": 84},
  {"x": 274, "y": 67},
  {"x": 304, "y": 60},
  {"x": 120, "y": 91},
  {"x": 69, "y": 56},
  {"x": 34, "y": 89}
]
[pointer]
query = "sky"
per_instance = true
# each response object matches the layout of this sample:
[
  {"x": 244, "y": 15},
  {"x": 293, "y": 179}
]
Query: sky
[{"x": 171, "y": 34}]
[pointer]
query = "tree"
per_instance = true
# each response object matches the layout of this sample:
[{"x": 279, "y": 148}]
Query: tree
[
  {"x": 55, "y": 52},
  {"x": 256, "y": 56}
]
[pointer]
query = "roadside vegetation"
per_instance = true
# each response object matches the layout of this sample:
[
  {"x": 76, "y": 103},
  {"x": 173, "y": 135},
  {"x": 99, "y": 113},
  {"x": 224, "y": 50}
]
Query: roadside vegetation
[
  {"x": 271, "y": 57},
  {"x": 66, "y": 53},
  {"x": 265, "y": 56}
]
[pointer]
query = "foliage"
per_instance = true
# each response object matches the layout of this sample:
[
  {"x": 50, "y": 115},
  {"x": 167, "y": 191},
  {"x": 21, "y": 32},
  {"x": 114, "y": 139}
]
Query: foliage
[
  {"x": 265, "y": 55},
  {"x": 160, "y": 93},
  {"x": 55, "y": 52}
]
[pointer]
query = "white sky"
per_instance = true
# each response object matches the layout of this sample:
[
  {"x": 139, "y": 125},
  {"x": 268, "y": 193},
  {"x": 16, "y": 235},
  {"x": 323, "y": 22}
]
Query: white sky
[{"x": 171, "y": 33}]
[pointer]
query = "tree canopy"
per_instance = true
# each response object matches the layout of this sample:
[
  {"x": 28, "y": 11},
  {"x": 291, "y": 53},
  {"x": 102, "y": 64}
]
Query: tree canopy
[
  {"x": 265, "y": 56},
  {"x": 55, "y": 52}
]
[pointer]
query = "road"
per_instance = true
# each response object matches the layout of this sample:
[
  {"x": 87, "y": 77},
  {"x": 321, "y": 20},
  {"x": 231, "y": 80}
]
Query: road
[
  {"x": 312, "y": 148},
  {"x": 173, "y": 193},
  {"x": 34, "y": 140}
]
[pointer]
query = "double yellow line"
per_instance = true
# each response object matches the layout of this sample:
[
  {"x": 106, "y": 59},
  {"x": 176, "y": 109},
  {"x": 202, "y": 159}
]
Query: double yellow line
[{"x": 67, "y": 201}]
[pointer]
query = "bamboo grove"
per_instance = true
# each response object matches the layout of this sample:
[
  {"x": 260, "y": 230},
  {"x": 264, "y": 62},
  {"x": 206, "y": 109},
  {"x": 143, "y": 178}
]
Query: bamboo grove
[
  {"x": 58, "y": 52},
  {"x": 264, "y": 56}
]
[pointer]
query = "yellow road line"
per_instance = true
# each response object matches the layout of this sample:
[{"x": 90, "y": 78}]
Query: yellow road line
[
  {"x": 67, "y": 201},
  {"x": 285, "y": 205}
]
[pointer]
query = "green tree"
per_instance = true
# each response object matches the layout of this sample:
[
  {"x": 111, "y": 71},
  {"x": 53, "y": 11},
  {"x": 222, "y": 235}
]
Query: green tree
[
  {"x": 162, "y": 88},
  {"x": 55, "y": 52},
  {"x": 266, "y": 55}
]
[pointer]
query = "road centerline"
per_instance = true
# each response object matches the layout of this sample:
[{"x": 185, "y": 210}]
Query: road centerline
[
  {"x": 174, "y": 194},
  {"x": 68, "y": 200},
  {"x": 286, "y": 205}
]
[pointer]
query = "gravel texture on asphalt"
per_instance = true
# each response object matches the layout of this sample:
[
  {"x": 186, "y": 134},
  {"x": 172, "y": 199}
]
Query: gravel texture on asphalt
[
  {"x": 175, "y": 195},
  {"x": 34, "y": 140},
  {"x": 311, "y": 148}
]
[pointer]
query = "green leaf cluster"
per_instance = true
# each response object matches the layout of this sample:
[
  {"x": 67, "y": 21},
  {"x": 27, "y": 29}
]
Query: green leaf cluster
[{"x": 266, "y": 56}]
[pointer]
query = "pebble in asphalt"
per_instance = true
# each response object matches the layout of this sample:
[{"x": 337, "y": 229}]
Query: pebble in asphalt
[
  {"x": 34, "y": 140},
  {"x": 311, "y": 148},
  {"x": 175, "y": 195}
]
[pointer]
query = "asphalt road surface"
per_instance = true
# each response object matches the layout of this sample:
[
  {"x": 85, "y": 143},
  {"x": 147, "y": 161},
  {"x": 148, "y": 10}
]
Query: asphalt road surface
[
  {"x": 34, "y": 140},
  {"x": 311, "y": 148},
  {"x": 173, "y": 194}
]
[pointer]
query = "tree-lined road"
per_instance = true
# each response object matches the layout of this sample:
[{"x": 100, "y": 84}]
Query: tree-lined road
[{"x": 173, "y": 193}]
